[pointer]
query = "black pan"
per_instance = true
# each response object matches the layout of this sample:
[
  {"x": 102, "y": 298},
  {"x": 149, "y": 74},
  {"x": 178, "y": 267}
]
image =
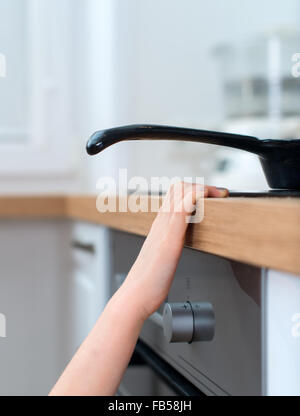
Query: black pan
[{"x": 280, "y": 159}]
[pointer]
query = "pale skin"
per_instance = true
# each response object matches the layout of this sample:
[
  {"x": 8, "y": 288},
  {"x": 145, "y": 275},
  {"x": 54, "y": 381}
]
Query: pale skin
[{"x": 99, "y": 364}]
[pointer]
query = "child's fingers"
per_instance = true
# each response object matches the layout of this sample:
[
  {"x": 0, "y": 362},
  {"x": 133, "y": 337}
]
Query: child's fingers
[
  {"x": 177, "y": 193},
  {"x": 214, "y": 192},
  {"x": 182, "y": 196}
]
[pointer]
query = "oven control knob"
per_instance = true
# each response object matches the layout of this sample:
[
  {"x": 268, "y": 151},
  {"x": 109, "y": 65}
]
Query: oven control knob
[{"x": 188, "y": 322}]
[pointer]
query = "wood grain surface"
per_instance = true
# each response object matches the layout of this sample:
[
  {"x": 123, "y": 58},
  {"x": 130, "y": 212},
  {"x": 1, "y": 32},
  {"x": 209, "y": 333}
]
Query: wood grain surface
[{"x": 260, "y": 231}]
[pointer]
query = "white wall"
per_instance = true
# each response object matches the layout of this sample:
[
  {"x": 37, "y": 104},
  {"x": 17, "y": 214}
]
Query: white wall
[
  {"x": 150, "y": 61},
  {"x": 166, "y": 73},
  {"x": 158, "y": 68}
]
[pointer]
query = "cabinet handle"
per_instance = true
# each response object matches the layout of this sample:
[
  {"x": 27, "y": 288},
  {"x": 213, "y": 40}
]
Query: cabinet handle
[{"x": 87, "y": 247}]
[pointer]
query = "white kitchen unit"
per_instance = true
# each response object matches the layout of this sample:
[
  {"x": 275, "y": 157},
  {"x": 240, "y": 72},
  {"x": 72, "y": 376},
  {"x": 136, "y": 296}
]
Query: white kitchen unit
[
  {"x": 281, "y": 340},
  {"x": 52, "y": 288},
  {"x": 89, "y": 279},
  {"x": 33, "y": 283}
]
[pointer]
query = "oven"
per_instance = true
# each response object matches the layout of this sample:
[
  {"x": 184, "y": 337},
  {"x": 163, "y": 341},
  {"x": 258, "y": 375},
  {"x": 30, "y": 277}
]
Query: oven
[
  {"x": 206, "y": 339},
  {"x": 150, "y": 375}
]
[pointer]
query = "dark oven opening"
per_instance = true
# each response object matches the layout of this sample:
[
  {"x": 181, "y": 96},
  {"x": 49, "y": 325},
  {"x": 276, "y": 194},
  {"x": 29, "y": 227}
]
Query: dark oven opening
[{"x": 149, "y": 374}]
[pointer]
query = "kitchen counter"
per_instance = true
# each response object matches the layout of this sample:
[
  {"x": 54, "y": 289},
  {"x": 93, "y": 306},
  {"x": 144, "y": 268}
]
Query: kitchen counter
[{"x": 260, "y": 231}]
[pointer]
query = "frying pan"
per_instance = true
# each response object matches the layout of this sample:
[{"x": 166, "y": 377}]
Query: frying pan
[{"x": 280, "y": 159}]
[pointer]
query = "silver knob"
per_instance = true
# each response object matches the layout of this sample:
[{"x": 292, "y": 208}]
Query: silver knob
[{"x": 188, "y": 322}]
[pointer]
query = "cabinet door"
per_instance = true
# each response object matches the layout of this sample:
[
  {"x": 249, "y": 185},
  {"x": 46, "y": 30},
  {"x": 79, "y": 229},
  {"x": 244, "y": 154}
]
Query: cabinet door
[
  {"x": 281, "y": 334},
  {"x": 33, "y": 270},
  {"x": 88, "y": 294}
]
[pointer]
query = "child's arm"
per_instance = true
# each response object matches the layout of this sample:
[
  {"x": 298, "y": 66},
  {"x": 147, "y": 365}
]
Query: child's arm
[{"x": 98, "y": 366}]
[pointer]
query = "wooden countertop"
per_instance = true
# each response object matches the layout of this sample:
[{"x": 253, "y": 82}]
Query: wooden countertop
[{"x": 261, "y": 231}]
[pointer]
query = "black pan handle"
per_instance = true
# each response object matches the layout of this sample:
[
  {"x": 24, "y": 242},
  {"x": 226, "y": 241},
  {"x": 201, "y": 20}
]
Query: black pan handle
[{"x": 105, "y": 138}]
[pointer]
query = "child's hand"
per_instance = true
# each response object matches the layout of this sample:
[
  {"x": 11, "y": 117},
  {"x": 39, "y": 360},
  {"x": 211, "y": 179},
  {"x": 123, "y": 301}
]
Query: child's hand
[
  {"x": 152, "y": 274},
  {"x": 98, "y": 366}
]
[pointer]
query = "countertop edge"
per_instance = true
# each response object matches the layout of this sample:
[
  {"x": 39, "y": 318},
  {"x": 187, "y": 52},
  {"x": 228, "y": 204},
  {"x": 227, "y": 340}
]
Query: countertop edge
[{"x": 259, "y": 231}]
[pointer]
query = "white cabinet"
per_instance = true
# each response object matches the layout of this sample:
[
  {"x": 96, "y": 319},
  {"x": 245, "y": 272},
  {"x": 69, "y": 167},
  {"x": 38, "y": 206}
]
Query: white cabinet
[
  {"x": 281, "y": 333},
  {"x": 33, "y": 273},
  {"x": 89, "y": 279},
  {"x": 53, "y": 287}
]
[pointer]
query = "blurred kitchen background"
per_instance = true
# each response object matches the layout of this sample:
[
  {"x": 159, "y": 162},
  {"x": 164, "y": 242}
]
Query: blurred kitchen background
[{"x": 76, "y": 66}]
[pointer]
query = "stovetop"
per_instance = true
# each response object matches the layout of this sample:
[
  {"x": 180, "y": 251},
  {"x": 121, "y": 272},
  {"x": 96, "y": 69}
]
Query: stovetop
[
  {"x": 267, "y": 193},
  {"x": 283, "y": 193}
]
